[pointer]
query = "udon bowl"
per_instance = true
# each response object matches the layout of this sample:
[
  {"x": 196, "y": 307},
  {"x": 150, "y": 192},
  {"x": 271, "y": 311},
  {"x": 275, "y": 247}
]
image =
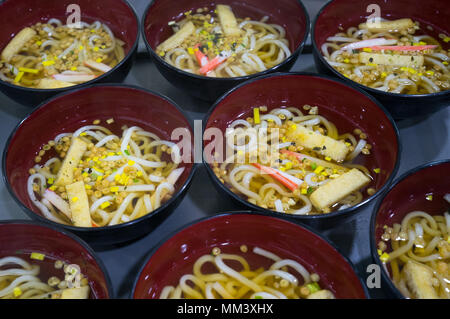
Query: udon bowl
[
  {"x": 231, "y": 230},
  {"x": 21, "y": 238},
  {"x": 120, "y": 17},
  {"x": 127, "y": 105},
  {"x": 291, "y": 14},
  {"x": 338, "y": 15},
  {"x": 408, "y": 193},
  {"x": 346, "y": 106}
]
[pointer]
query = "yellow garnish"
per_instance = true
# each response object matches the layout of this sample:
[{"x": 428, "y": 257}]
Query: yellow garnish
[
  {"x": 190, "y": 51},
  {"x": 304, "y": 191},
  {"x": 282, "y": 168},
  {"x": 88, "y": 186},
  {"x": 99, "y": 60},
  {"x": 99, "y": 178},
  {"x": 81, "y": 47},
  {"x": 429, "y": 197},
  {"x": 83, "y": 134},
  {"x": 283, "y": 139},
  {"x": 346, "y": 61},
  {"x": 92, "y": 30},
  {"x": 19, "y": 77},
  {"x": 240, "y": 152},
  {"x": 48, "y": 62},
  {"x": 105, "y": 204},
  {"x": 376, "y": 170},
  {"x": 37, "y": 256},
  {"x": 445, "y": 63},
  {"x": 38, "y": 42},
  {"x": 50, "y": 181},
  {"x": 448, "y": 239},
  {"x": 28, "y": 70},
  {"x": 327, "y": 158},
  {"x": 348, "y": 144},
  {"x": 367, "y": 50},
  {"x": 114, "y": 188},
  {"x": 52, "y": 188},
  {"x": 380, "y": 252},
  {"x": 96, "y": 49},
  {"x": 288, "y": 165},
  {"x": 131, "y": 163},
  {"x": 384, "y": 257},
  {"x": 372, "y": 64},
  {"x": 319, "y": 169},
  {"x": 95, "y": 159},
  {"x": 256, "y": 119},
  {"x": 447, "y": 39},
  {"x": 96, "y": 168},
  {"x": 210, "y": 44},
  {"x": 383, "y": 74},
  {"x": 74, "y": 199},
  {"x": 422, "y": 43},
  {"x": 346, "y": 75},
  {"x": 139, "y": 173},
  {"x": 293, "y": 127},
  {"x": 74, "y": 68},
  {"x": 17, "y": 292},
  {"x": 430, "y": 72}
]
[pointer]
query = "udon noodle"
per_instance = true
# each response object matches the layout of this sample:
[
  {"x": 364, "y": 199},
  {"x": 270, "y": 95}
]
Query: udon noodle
[
  {"x": 217, "y": 44},
  {"x": 391, "y": 56},
  {"x": 20, "y": 279},
  {"x": 295, "y": 163},
  {"x": 420, "y": 254},
  {"x": 284, "y": 279},
  {"x": 97, "y": 178},
  {"x": 53, "y": 55}
]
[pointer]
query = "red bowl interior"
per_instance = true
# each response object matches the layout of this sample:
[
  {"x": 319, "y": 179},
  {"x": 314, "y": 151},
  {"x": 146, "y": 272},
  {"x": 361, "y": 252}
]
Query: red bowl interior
[
  {"x": 178, "y": 254},
  {"x": 22, "y": 239},
  {"x": 410, "y": 193},
  {"x": 346, "y": 107},
  {"x": 287, "y": 13},
  {"x": 66, "y": 113},
  {"x": 339, "y": 15},
  {"x": 116, "y": 14}
]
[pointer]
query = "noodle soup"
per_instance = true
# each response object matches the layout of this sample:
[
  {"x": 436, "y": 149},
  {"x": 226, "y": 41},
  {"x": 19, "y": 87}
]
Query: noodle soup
[
  {"x": 27, "y": 276},
  {"x": 397, "y": 56},
  {"x": 215, "y": 43},
  {"x": 52, "y": 55},
  {"x": 94, "y": 178},
  {"x": 230, "y": 276},
  {"x": 417, "y": 250},
  {"x": 310, "y": 168}
]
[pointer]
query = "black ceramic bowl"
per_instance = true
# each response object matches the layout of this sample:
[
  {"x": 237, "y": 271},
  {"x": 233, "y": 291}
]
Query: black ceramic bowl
[
  {"x": 346, "y": 106},
  {"x": 338, "y": 14},
  {"x": 229, "y": 232},
  {"x": 409, "y": 193},
  {"x": 291, "y": 14},
  {"x": 20, "y": 238},
  {"x": 127, "y": 105},
  {"x": 119, "y": 15}
]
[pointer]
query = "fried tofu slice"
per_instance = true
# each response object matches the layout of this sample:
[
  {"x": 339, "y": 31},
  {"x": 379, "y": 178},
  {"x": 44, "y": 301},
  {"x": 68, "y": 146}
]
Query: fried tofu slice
[
  {"x": 338, "y": 188},
  {"x": 227, "y": 20},
  {"x": 388, "y": 25},
  {"x": 79, "y": 204},
  {"x": 73, "y": 157},
  {"x": 176, "y": 39},
  {"x": 414, "y": 61},
  {"x": 17, "y": 43},
  {"x": 321, "y": 294},
  {"x": 419, "y": 280},
  {"x": 53, "y": 84},
  {"x": 322, "y": 144},
  {"x": 76, "y": 293}
]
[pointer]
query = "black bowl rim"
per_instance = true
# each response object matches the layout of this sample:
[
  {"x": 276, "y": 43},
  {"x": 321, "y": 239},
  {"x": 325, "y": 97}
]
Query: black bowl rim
[
  {"x": 237, "y": 213},
  {"x": 74, "y": 238},
  {"x": 93, "y": 81},
  {"x": 330, "y": 215},
  {"x": 292, "y": 57},
  {"x": 373, "y": 91},
  {"x": 373, "y": 244},
  {"x": 79, "y": 230}
]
